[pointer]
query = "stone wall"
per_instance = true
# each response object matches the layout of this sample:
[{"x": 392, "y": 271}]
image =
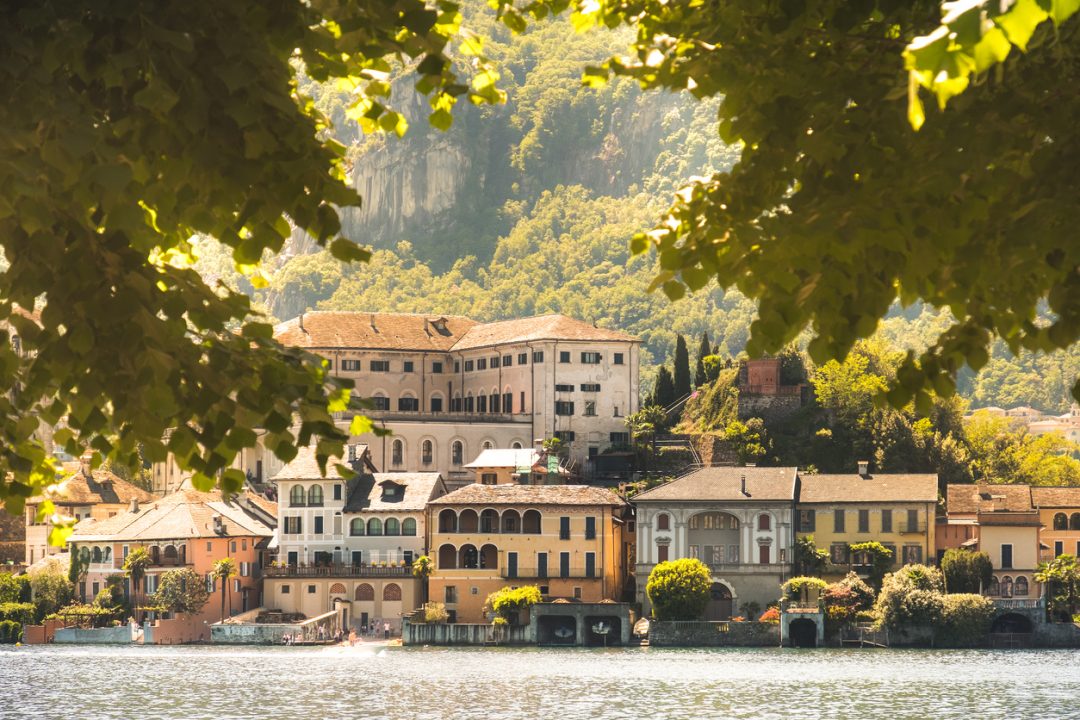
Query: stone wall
[
  {"x": 462, "y": 634},
  {"x": 713, "y": 634},
  {"x": 1056, "y": 635},
  {"x": 713, "y": 450},
  {"x": 768, "y": 407},
  {"x": 94, "y": 636}
]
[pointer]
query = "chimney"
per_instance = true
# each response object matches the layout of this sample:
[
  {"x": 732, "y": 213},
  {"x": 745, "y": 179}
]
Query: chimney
[
  {"x": 371, "y": 316},
  {"x": 219, "y": 525},
  {"x": 742, "y": 482},
  {"x": 864, "y": 468},
  {"x": 134, "y": 505},
  {"x": 352, "y": 453},
  {"x": 301, "y": 321}
]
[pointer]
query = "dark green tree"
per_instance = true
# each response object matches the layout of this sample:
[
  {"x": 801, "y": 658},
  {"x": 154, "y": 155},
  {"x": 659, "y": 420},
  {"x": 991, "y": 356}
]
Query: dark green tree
[
  {"x": 704, "y": 350},
  {"x": 664, "y": 392},
  {"x": 682, "y": 367},
  {"x": 181, "y": 591},
  {"x": 966, "y": 571}
]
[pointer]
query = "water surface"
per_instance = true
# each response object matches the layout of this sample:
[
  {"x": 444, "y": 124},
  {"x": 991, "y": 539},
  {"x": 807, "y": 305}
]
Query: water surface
[{"x": 219, "y": 683}]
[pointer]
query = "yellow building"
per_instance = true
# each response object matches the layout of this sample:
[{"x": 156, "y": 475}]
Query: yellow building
[
  {"x": 516, "y": 466},
  {"x": 1006, "y": 527},
  {"x": 1059, "y": 512},
  {"x": 896, "y": 510},
  {"x": 570, "y": 540}
]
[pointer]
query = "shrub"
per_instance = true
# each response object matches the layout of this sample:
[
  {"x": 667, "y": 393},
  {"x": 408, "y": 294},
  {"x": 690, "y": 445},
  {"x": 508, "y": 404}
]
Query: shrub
[
  {"x": 738, "y": 618},
  {"x": 19, "y": 612},
  {"x": 880, "y": 557},
  {"x": 679, "y": 589},
  {"x": 436, "y": 613},
  {"x": 911, "y": 596},
  {"x": 966, "y": 571},
  {"x": 10, "y": 588},
  {"x": 772, "y": 615},
  {"x": 750, "y": 609},
  {"x": 509, "y": 602},
  {"x": 809, "y": 559},
  {"x": 803, "y": 588},
  {"x": 966, "y": 619},
  {"x": 181, "y": 591},
  {"x": 10, "y": 631}
]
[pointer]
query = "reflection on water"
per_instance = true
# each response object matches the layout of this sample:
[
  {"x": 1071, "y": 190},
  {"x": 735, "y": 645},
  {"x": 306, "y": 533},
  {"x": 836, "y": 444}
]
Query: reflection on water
[{"x": 214, "y": 683}]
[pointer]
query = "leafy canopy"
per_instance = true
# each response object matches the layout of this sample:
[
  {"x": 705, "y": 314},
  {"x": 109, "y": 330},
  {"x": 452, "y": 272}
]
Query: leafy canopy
[{"x": 679, "y": 589}]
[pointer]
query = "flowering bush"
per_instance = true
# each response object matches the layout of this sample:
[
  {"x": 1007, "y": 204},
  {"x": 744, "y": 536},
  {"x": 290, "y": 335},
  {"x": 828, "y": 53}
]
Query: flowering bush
[{"x": 772, "y": 615}]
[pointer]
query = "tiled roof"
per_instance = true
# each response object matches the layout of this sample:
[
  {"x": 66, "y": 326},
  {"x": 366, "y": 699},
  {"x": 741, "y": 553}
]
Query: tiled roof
[
  {"x": 366, "y": 492},
  {"x": 984, "y": 498},
  {"x": 305, "y": 467},
  {"x": 530, "y": 495},
  {"x": 542, "y": 327},
  {"x": 726, "y": 483},
  {"x": 1010, "y": 519},
  {"x": 375, "y": 331},
  {"x": 183, "y": 514},
  {"x": 1056, "y": 497},
  {"x": 86, "y": 487},
  {"x": 884, "y": 487},
  {"x": 505, "y": 457}
]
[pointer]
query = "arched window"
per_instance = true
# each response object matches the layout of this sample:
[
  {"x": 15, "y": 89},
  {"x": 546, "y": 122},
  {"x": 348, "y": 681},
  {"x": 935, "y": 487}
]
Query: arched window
[
  {"x": 356, "y": 526},
  {"x": 489, "y": 557},
  {"x": 488, "y": 445},
  {"x": 314, "y": 496},
  {"x": 1074, "y": 521},
  {"x": 374, "y": 526},
  {"x": 489, "y": 521},
  {"x": 1061, "y": 522},
  {"x": 447, "y": 557},
  {"x": 96, "y": 555},
  {"x": 457, "y": 453},
  {"x": 530, "y": 522},
  {"x": 511, "y": 521},
  {"x": 448, "y": 521},
  {"x": 337, "y": 589},
  {"x": 391, "y": 592},
  {"x": 469, "y": 557},
  {"x": 84, "y": 554},
  {"x": 392, "y": 527},
  {"x": 108, "y": 553},
  {"x": 296, "y": 496},
  {"x": 397, "y": 454},
  {"x": 364, "y": 592},
  {"x": 995, "y": 587},
  {"x": 663, "y": 521},
  {"x": 427, "y": 452},
  {"x": 763, "y": 522},
  {"x": 1006, "y": 587},
  {"x": 468, "y": 521},
  {"x": 1020, "y": 587},
  {"x": 516, "y": 445},
  {"x": 408, "y": 526}
]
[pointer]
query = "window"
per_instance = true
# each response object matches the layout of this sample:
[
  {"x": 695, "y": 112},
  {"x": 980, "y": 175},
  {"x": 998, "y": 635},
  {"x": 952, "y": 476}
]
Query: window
[
  {"x": 864, "y": 521},
  {"x": 337, "y": 491},
  {"x": 436, "y": 404},
  {"x": 489, "y": 479},
  {"x": 356, "y": 526},
  {"x": 564, "y": 388},
  {"x": 407, "y": 366},
  {"x": 764, "y": 522},
  {"x": 507, "y": 360},
  {"x": 380, "y": 366},
  {"x": 232, "y": 547},
  {"x": 838, "y": 553},
  {"x": 457, "y": 366},
  {"x": 805, "y": 521},
  {"x": 590, "y": 387},
  {"x": 663, "y": 521},
  {"x": 457, "y": 453},
  {"x": 408, "y": 404},
  {"x": 522, "y": 359},
  {"x": 590, "y": 358},
  {"x": 374, "y": 526},
  {"x": 436, "y": 368},
  {"x": 380, "y": 402},
  {"x": 886, "y": 522},
  {"x": 350, "y": 365},
  {"x": 564, "y": 356},
  {"x": 296, "y": 496},
  {"x": 1006, "y": 587},
  {"x": 564, "y": 407},
  {"x": 450, "y": 594},
  {"x": 495, "y": 362},
  {"x": 468, "y": 366},
  {"x": 1059, "y": 548},
  {"x": 566, "y": 435},
  {"x": 521, "y": 408},
  {"x": 292, "y": 526},
  {"x": 619, "y": 438},
  {"x": 318, "y": 525},
  {"x": 763, "y": 555},
  {"x": 481, "y": 404},
  {"x": 408, "y": 527},
  {"x": 564, "y": 564},
  {"x": 590, "y": 564},
  {"x": 1020, "y": 587},
  {"x": 541, "y": 565},
  {"x": 427, "y": 452},
  {"x": 912, "y": 521},
  {"x": 508, "y": 403},
  {"x": 481, "y": 364},
  {"x": 590, "y": 408},
  {"x": 1074, "y": 521},
  {"x": 1061, "y": 522},
  {"x": 590, "y": 528},
  {"x": 618, "y": 360},
  {"x": 912, "y": 554},
  {"x": 538, "y": 356},
  {"x": 314, "y": 496},
  {"x": 564, "y": 528},
  {"x": 838, "y": 521},
  {"x": 392, "y": 527},
  {"x": 1006, "y": 555},
  {"x": 311, "y": 589},
  {"x": 661, "y": 553},
  {"x": 286, "y": 589},
  {"x": 892, "y": 551}
]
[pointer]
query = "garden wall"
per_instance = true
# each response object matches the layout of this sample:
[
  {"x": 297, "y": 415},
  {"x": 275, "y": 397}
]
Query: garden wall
[
  {"x": 462, "y": 634},
  {"x": 175, "y": 631},
  {"x": 713, "y": 634},
  {"x": 94, "y": 636}
]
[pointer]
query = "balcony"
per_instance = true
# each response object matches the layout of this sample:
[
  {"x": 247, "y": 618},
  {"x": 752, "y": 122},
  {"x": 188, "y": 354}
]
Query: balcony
[
  {"x": 336, "y": 571},
  {"x": 548, "y": 574},
  {"x": 446, "y": 417},
  {"x": 1019, "y": 603}
]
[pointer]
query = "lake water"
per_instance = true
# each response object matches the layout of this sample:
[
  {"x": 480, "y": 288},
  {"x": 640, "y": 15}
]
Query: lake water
[{"x": 218, "y": 683}]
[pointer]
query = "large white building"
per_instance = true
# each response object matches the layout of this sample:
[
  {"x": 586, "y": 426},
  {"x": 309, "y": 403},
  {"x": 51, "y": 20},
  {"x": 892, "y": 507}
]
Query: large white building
[{"x": 449, "y": 387}]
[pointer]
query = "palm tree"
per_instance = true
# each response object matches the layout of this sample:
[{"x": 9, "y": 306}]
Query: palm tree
[
  {"x": 422, "y": 568},
  {"x": 224, "y": 569},
  {"x": 135, "y": 565}
]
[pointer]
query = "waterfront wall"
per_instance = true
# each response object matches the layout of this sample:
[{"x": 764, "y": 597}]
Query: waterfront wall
[
  {"x": 694, "y": 633},
  {"x": 94, "y": 636},
  {"x": 175, "y": 631},
  {"x": 41, "y": 634},
  {"x": 463, "y": 634}
]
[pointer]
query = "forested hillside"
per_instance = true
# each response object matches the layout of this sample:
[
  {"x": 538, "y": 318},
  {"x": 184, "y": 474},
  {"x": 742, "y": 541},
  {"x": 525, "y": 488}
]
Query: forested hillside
[{"x": 529, "y": 207}]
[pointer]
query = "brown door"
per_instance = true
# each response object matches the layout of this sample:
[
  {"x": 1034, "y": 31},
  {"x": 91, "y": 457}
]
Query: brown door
[{"x": 719, "y": 607}]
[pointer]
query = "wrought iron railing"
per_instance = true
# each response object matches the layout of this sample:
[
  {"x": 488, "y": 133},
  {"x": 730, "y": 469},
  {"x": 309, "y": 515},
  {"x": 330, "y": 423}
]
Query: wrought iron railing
[{"x": 314, "y": 571}]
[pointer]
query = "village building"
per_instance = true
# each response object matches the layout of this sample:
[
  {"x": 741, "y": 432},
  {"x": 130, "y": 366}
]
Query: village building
[
  {"x": 1006, "y": 526},
  {"x": 517, "y": 466},
  {"x": 449, "y": 387},
  {"x": 736, "y": 520},
  {"x": 186, "y": 529},
  {"x": 572, "y": 541},
  {"x": 349, "y": 544},
  {"x": 895, "y": 509},
  {"x": 85, "y": 493},
  {"x": 1059, "y": 513}
]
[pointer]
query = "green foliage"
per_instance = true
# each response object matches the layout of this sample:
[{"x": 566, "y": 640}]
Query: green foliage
[
  {"x": 679, "y": 589},
  {"x": 508, "y": 602},
  {"x": 21, "y": 612},
  {"x": 682, "y": 367},
  {"x": 1004, "y": 452},
  {"x": 880, "y": 557},
  {"x": 966, "y": 619},
  {"x": 181, "y": 591},
  {"x": 10, "y": 588},
  {"x": 749, "y": 439},
  {"x": 966, "y": 571},
  {"x": 51, "y": 589},
  {"x": 135, "y": 565},
  {"x": 844, "y": 600},
  {"x": 809, "y": 558},
  {"x": 422, "y": 567},
  {"x": 1062, "y": 578},
  {"x": 803, "y": 588},
  {"x": 664, "y": 392},
  {"x": 911, "y": 596},
  {"x": 716, "y": 405},
  {"x": 435, "y": 612},
  {"x": 704, "y": 350},
  {"x": 11, "y": 631},
  {"x": 224, "y": 569}
]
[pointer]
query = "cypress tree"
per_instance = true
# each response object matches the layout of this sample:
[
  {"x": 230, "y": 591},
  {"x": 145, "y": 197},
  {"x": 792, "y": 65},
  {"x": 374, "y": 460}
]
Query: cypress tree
[
  {"x": 664, "y": 394},
  {"x": 682, "y": 368},
  {"x": 704, "y": 349}
]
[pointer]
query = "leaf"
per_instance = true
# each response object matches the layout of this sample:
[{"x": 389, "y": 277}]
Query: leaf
[
  {"x": 360, "y": 425},
  {"x": 348, "y": 251},
  {"x": 1021, "y": 20},
  {"x": 441, "y": 119}
]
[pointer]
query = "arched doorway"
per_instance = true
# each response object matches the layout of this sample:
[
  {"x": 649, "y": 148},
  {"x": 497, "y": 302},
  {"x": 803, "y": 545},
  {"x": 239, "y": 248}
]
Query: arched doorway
[
  {"x": 803, "y": 633},
  {"x": 719, "y": 607},
  {"x": 1011, "y": 623}
]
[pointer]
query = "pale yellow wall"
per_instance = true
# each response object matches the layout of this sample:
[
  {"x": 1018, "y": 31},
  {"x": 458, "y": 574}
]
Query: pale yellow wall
[
  {"x": 298, "y": 599},
  {"x": 1069, "y": 539},
  {"x": 825, "y": 534}
]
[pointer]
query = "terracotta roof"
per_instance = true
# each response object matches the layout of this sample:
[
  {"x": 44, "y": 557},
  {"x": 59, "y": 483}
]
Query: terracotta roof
[
  {"x": 375, "y": 331},
  {"x": 366, "y": 493},
  {"x": 542, "y": 327},
  {"x": 725, "y": 483},
  {"x": 987, "y": 498},
  {"x": 505, "y": 457},
  {"x": 1056, "y": 497},
  {"x": 86, "y": 487},
  {"x": 183, "y": 514},
  {"x": 305, "y": 467},
  {"x": 530, "y": 495},
  {"x": 886, "y": 487},
  {"x": 1011, "y": 519}
]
